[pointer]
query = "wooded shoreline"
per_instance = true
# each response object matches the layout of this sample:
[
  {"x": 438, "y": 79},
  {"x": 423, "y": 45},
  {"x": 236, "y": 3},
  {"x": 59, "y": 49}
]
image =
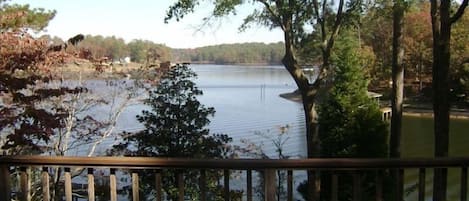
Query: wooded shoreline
[{"x": 409, "y": 110}]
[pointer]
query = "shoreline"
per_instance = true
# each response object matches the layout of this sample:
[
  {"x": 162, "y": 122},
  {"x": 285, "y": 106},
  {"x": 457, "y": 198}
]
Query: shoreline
[{"x": 409, "y": 110}]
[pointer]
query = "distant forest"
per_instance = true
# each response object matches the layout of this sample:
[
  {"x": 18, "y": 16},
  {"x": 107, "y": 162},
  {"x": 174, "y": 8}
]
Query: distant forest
[
  {"x": 239, "y": 53},
  {"x": 144, "y": 51}
]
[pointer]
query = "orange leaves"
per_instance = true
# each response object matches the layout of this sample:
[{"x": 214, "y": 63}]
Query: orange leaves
[{"x": 19, "y": 51}]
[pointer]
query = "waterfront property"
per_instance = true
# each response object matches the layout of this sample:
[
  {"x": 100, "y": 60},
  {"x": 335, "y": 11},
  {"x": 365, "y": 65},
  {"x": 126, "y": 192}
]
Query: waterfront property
[{"x": 338, "y": 168}]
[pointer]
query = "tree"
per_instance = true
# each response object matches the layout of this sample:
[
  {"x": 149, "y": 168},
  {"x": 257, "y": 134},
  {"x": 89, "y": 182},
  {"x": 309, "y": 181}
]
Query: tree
[
  {"x": 375, "y": 33},
  {"x": 459, "y": 75},
  {"x": 351, "y": 122},
  {"x": 292, "y": 17},
  {"x": 175, "y": 127},
  {"x": 397, "y": 96},
  {"x": 442, "y": 22},
  {"x": 417, "y": 39}
]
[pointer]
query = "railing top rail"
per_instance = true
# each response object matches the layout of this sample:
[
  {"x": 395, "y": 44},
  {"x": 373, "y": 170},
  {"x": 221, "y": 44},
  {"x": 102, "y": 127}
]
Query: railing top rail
[{"x": 156, "y": 162}]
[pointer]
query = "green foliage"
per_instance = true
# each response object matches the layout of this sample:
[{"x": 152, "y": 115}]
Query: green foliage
[
  {"x": 243, "y": 53},
  {"x": 361, "y": 133},
  {"x": 143, "y": 51},
  {"x": 175, "y": 127},
  {"x": 350, "y": 122},
  {"x": 459, "y": 74},
  {"x": 112, "y": 47},
  {"x": 16, "y": 16}
]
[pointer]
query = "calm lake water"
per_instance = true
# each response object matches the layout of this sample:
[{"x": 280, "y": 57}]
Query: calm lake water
[{"x": 246, "y": 100}]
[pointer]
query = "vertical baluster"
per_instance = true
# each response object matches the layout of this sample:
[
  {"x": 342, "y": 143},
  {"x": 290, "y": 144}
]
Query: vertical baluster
[
  {"x": 203, "y": 185},
  {"x": 91, "y": 194},
  {"x": 463, "y": 184},
  {"x": 270, "y": 189},
  {"x": 356, "y": 186},
  {"x": 334, "y": 187},
  {"x": 68, "y": 185},
  {"x": 113, "y": 184},
  {"x": 159, "y": 195},
  {"x": 249, "y": 185},
  {"x": 379, "y": 186},
  {"x": 421, "y": 184},
  {"x": 399, "y": 184},
  {"x": 5, "y": 186},
  {"x": 25, "y": 183},
  {"x": 180, "y": 179},
  {"x": 45, "y": 184},
  {"x": 290, "y": 185},
  {"x": 135, "y": 187},
  {"x": 226, "y": 178}
]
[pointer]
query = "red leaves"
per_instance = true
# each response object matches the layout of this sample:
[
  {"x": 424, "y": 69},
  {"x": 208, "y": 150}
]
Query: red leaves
[{"x": 26, "y": 67}]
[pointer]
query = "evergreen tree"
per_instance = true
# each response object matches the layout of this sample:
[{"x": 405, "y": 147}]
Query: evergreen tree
[
  {"x": 175, "y": 127},
  {"x": 351, "y": 123}
]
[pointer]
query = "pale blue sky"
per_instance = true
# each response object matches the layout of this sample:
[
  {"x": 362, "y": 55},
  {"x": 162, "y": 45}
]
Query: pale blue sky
[{"x": 143, "y": 19}]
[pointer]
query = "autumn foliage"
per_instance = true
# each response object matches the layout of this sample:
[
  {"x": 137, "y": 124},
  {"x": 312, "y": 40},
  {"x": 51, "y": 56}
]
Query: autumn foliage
[{"x": 25, "y": 64}]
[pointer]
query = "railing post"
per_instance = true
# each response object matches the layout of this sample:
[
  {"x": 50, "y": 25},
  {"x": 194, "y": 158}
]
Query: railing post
[
  {"x": 226, "y": 178},
  {"x": 203, "y": 185},
  {"x": 113, "y": 184},
  {"x": 289, "y": 185},
  {"x": 463, "y": 183},
  {"x": 45, "y": 184},
  {"x": 379, "y": 185},
  {"x": 356, "y": 186},
  {"x": 135, "y": 187},
  {"x": 421, "y": 184},
  {"x": 249, "y": 185},
  {"x": 180, "y": 179},
  {"x": 68, "y": 185},
  {"x": 25, "y": 183},
  {"x": 159, "y": 194},
  {"x": 334, "y": 187},
  {"x": 91, "y": 194},
  {"x": 270, "y": 189},
  {"x": 5, "y": 187}
]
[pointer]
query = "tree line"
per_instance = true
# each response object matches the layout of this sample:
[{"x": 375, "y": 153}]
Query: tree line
[
  {"x": 239, "y": 53},
  {"x": 141, "y": 51}
]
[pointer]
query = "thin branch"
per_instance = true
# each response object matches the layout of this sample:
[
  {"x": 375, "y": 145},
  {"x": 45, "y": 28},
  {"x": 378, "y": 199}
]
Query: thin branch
[
  {"x": 460, "y": 12},
  {"x": 272, "y": 12},
  {"x": 337, "y": 23}
]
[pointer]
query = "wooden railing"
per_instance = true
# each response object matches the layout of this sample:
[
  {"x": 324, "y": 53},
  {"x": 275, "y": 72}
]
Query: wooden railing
[{"x": 25, "y": 163}]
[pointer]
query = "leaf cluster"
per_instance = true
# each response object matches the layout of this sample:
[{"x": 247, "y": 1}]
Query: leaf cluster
[
  {"x": 15, "y": 16},
  {"x": 25, "y": 63}
]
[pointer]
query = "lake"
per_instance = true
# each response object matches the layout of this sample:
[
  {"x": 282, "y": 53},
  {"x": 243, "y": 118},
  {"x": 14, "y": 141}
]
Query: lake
[{"x": 246, "y": 100}]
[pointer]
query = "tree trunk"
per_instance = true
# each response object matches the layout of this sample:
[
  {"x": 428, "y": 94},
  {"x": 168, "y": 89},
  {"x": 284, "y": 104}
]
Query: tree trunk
[
  {"x": 397, "y": 94},
  {"x": 441, "y": 55},
  {"x": 441, "y": 28},
  {"x": 308, "y": 92},
  {"x": 314, "y": 178}
]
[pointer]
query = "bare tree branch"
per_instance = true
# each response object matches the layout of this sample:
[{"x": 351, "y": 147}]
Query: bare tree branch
[{"x": 460, "y": 12}]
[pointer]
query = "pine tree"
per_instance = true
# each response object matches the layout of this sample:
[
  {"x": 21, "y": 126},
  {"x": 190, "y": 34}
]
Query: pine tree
[
  {"x": 350, "y": 122},
  {"x": 175, "y": 127}
]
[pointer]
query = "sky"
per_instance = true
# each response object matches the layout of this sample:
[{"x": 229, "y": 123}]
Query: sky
[{"x": 143, "y": 19}]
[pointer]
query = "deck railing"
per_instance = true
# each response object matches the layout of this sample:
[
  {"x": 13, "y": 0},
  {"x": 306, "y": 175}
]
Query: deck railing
[{"x": 355, "y": 166}]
